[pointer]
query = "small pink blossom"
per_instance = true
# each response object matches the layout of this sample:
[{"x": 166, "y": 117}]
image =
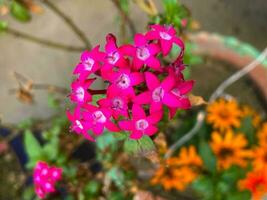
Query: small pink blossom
[
  {"x": 89, "y": 63},
  {"x": 144, "y": 53},
  {"x": 79, "y": 125},
  {"x": 123, "y": 81},
  {"x": 140, "y": 124},
  {"x": 159, "y": 93},
  {"x": 99, "y": 118},
  {"x": 166, "y": 36},
  {"x": 45, "y": 178},
  {"x": 79, "y": 94}
]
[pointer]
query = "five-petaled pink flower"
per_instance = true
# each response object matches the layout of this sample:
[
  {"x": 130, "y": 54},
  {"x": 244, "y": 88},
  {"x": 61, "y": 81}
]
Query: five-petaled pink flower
[
  {"x": 79, "y": 94},
  {"x": 89, "y": 63},
  {"x": 140, "y": 124},
  {"x": 166, "y": 36},
  {"x": 133, "y": 75},
  {"x": 98, "y": 118},
  {"x": 144, "y": 52},
  {"x": 45, "y": 178},
  {"x": 79, "y": 125},
  {"x": 159, "y": 93}
]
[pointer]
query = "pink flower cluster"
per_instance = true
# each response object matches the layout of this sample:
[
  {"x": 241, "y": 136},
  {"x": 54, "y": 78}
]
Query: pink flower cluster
[
  {"x": 45, "y": 178},
  {"x": 139, "y": 85}
]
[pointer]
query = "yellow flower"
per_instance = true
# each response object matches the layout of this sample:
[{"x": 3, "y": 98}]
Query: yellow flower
[
  {"x": 230, "y": 149},
  {"x": 248, "y": 111},
  {"x": 178, "y": 172},
  {"x": 262, "y": 135},
  {"x": 224, "y": 115}
]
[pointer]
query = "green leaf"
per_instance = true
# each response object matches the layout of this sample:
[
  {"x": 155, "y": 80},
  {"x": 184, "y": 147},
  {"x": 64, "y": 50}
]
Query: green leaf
[
  {"x": 239, "y": 195},
  {"x": 28, "y": 193},
  {"x": 248, "y": 129},
  {"x": 52, "y": 101},
  {"x": 92, "y": 188},
  {"x": 25, "y": 124},
  {"x": 207, "y": 156},
  {"x": 142, "y": 145},
  {"x": 204, "y": 187},
  {"x": 3, "y": 25},
  {"x": 19, "y": 12},
  {"x": 116, "y": 196},
  {"x": 32, "y": 147},
  {"x": 105, "y": 140},
  {"x": 117, "y": 176}
]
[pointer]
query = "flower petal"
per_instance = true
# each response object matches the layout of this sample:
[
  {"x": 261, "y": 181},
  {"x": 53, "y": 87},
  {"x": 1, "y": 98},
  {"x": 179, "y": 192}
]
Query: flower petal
[
  {"x": 152, "y": 81},
  {"x": 126, "y": 125},
  {"x": 136, "y": 135},
  {"x": 136, "y": 78},
  {"x": 138, "y": 112},
  {"x": 168, "y": 83},
  {"x": 171, "y": 100},
  {"x": 111, "y": 126},
  {"x": 151, "y": 130},
  {"x": 143, "y": 98}
]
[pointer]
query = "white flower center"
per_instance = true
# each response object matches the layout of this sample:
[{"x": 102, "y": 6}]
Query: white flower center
[
  {"x": 113, "y": 57},
  {"x": 48, "y": 186},
  {"x": 141, "y": 124},
  {"x": 99, "y": 117},
  {"x": 165, "y": 36},
  {"x": 44, "y": 171},
  {"x": 158, "y": 94},
  {"x": 88, "y": 63},
  {"x": 80, "y": 93},
  {"x": 117, "y": 103},
  {"x": 79, "y": 124},
  {"x": 142, "y": 53},
  {"x": 123, "y": 81}
]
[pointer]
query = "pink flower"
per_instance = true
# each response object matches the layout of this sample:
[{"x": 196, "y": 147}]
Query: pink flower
[
  {"x": 144, "y": 53},
  {"x": 114, "y": 56},
  {"x": 79, "y": 125},
  {"x": 140, "y": 124},
  {"x": 117, "y": 103},
  {"x": 180, "y": 92},
  {"x": 123, "y": 81},
  {"x": 80, "y": 94},
  {"x": 99, "y": 118},
  {"x": 159, "y": 94},
  {"x": 45, "y": 178},
  {"x": 89, "y": 63},
  {"x": 166, "y": 36},
  {"x": 184, "y": 22}
]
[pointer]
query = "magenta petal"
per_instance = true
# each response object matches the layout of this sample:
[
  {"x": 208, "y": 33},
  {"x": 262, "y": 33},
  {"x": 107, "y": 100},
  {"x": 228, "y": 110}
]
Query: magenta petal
[
  {"x": 186, "y": 87},
  {"x": 153, "y": 63},
  {"x": 140, "y": 39},
  {"x": 136, "y": 135},
  {"x": 185, "y": 103},
  {"x": 111, "y": 43},
  {"x": 151, "y": 130},
  {"x": 69, "y": 115},
  {"x": 85, "y": 54},
  {"x": 171, "y": 100},
  {"x": 111, "y": 126},
  {"x": 151, "y": 80},
  {"x": 127, "y": 49},
  {"x": 153, "y": 49},
  {"x": 155, "y": 107},
  {"x": 137, "y": 63},
  {"x": 166, "y": 46},
  {"x": 168, "y": 83},
  {"x": 155, "y": 117},
  {"x": 136, "y": 78},
  {"x": 104, "y": 102},
  {"x": 138, "y": 112},
  {"x": 98, "y": 129},
  {"x": 126, "y": 125},
  {"x": 179, "y": 42},
  {"x": 172, "y": 112},
  {"x": 143, "y": 98},
  {"x": 152, "y": 35}
]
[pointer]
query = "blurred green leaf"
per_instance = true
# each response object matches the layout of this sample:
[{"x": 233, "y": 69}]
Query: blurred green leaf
[
  {"x": 32, "y": 147},
  {"x": 19, "y": 12},
  {"x": 238, "y": 195},
  {"x": 92, "y": 188},
  {"x": 207, "y": 156},
  {"x": 28, "y": 193},
  {"x": 25, "y": 124},
  {"x": 142, "y": 145},
  {"x": 116, "y": 196},
  {"x": 117, "y": 176},
  {"x": 248, "y": 129},
  {"x": 204, "y": 187},
  {"x": 3, "y": 25},
  {"x": 105, "y": 140},
  {"x": 124, "y": 5},
  {"x": 53, "y": 102}
]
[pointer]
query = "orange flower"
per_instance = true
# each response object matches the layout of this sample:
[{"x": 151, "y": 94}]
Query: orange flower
[
  {"x": 256, "y": 183},
  {"x": 224, "y": 115},
  {"x": 230, "y": 149},
  {"x": 248, "y": 111},
  {"x": 180, "y": 171},
  {"x": 262, "y": 135},
  {"x": 260, "y": 158}
]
